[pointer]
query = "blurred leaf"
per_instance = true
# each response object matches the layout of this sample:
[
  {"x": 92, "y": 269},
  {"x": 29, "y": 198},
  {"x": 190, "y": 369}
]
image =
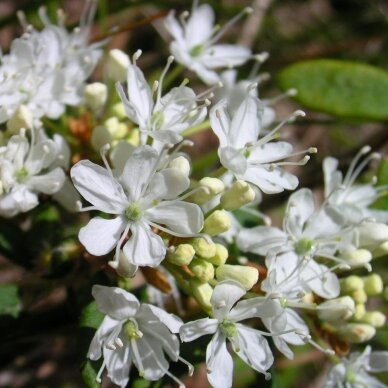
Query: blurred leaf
[
  {"x": 341, "y": 88},
  {"x": 382, "y": 179},
  {"x": 89, "y": 372},
  {"x": 10, "y": 303},
  {"x": 91, "y": 316}
]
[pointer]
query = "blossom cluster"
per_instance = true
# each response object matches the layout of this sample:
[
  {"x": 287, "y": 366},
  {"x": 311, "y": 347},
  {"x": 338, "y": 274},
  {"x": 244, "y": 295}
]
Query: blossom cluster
[{"x": 150, "y": 211}]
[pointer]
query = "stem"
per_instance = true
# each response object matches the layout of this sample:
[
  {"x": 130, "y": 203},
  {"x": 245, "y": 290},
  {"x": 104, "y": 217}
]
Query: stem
[
  {"x": 172, "y": 75},
  {"x": 198, "y": 128}
]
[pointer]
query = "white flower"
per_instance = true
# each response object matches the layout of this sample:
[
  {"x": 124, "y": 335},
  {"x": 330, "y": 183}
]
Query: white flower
[
  {"x": 249, "y": 344},
  {"x": 28, "y": 167},
  {"x": 46, "y": 70},
  {"x": 251, "y": 159},
  {"x": 140, "y": 198},
  {"x": 136, "y": 333},
  {"x": 169, "y": 115},
  {"x": 352, "y": 372},
  {"x": 194, "y": 43}
]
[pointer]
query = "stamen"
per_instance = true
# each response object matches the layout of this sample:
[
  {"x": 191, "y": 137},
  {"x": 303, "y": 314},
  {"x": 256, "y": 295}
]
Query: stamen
[
  {"x": 98, "y": 377},
  {"x": 170, "y": 60},
  {"x": 118, "y": 246},
  {"x": 209, "y": 91},
  {"x": 361, "y": 166},
  {"x": 289, "y": 93},
  {"x": 118, "y": 342},
  {"x": 136, "y": 56},
  {"x": 183, "y": 17},
  {"x": 189, "y": 366},
  {"x": 42, "y": 12},
  {"x": 363, "y": 151},
  {"x": 137, "y": 357},
  {"x": 22, "y": 19},
  {"x": 193, "y": 191}
]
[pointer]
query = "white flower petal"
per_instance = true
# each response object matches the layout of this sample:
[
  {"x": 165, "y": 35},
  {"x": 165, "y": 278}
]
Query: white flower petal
[
  {"x": 100, "y": 235},
  {"x": 270, "y": 152},
  {"x": 255, "y": 307},
  {"x": 233, "y": 159},
  {"x": 378, "y": 361},
  {"x": 49, "y": 183},
  {"x": 220, "y": 122},
  {"x": 170, "y": 320},
  {"x": 225, "y": 55},
  {"x": 67, "y": 196},
  {"x": 199, "y": 27},
  {"x": 192, "y": 330}
]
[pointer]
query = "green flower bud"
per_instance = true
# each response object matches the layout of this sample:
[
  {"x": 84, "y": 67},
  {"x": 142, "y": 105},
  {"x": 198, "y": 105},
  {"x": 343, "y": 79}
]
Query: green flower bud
[
  {"x": 217, "y": 222},
  {"x": 351, "y": 283},
  {"x": 360, "y": 311},
  {"x": 203, "y": 248},
  {"x": 202, "y": 292},
  {"x": 22, "y": 118},
  {"x": 117, "y": 129},
  {"x": 373, "y": 284},
  {"x": 381, "y": 250},
  {"x": 336, "y": 309},
  {"x": 212, "y": 187},
  {"x": 182, "y": 255},
  {"x": 118, "y": 111},
  {"x": 374, "y": 318},
  {"x": 238, "y": 195},
  {"x": 131, "y": 330},
  {"x": 221, "y": 255},
  {"x": 245, "y": 275},
  {"x": 134, "y": 137},
  {"x": 202, "y": 269},
  {"x": 96, "y": 94},
  {"x": 357, "y": 257},
  {"x": 359, "y": 296},
  {"x": 356, "y": 332},
  {"x": 181, "y": 164},
  {"x": 117, "y": 65}
]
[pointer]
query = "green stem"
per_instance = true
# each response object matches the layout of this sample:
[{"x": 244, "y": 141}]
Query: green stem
[
  {"x": 219, "y": 172},
  {"x": 172, "y": 75},
  {"x": 198, "y": 128}
]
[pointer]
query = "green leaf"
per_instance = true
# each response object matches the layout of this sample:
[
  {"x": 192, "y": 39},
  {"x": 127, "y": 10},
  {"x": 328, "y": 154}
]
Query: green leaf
[
  {"x": 91, "y": 316},
  {"x": 341, "y": 88},
  {"x": 10, "y": 303},
  {"x": 89, "y": 372}
]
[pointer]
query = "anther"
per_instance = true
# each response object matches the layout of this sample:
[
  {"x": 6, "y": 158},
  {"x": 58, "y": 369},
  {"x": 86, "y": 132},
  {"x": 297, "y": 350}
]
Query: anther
[{"x": 136, "y": 56}]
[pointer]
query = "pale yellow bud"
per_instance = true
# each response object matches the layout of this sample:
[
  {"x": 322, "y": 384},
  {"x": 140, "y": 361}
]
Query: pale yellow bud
[
  {"x": 100, "y": 137},
  {"x": 134, "y": 137},
  {"x": 182, "y": 164},
  {"x": 374, "y": 318},
  {"x": 212, "y": 187},
  {"x": 381, "y": 250},
  {"x": 96, "y": 95},
  {"x": 360, "y": 311},
  {"x": 238, "y": 195},
  {"x": 359, "y": 296},
  {"x": 117, "y": 65},
  {"x": 372, "y": 234},
  {"x": 217, "y": 222},
  {"x": 202, "y": 292},
  {"x": 221, "y": 255},
  {"x": 182, "y": 255},
  {"x": 203, "y": 248},
  {"x": 118, "y": 110},
  {"x": 357, "y": 257},
  {"x": 336, "y": 309},
  {"x": 125, "y": 268},
  {"x": 202, "y": 269},
  {"x": 117, "y": 129},
  {"x": 245, "y": 275},
  {"x": 356, "y": 332},
  {"x": 22, "y": 118},
  {"x": 373, "y": 284},
  {"x": 351, "y": 283}
]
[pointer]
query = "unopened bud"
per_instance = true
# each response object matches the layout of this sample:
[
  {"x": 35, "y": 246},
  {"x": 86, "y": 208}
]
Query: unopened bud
[
  {"x": 134, "y": 137},
  {"x": 96, "y": 95},
  {"x": 182, "y": 255},
  {"x": 372, "y": 234},
  {"x": 374, "y": 318},
  {"x": 217, "y": 222},
  {"x": 117, "y": 129},
  {"x": 356, "y": 332},
  {"x": 125, "y": 268},
  {"x": 118, "y": 111},
  {"x": 117, "y": 65},
  {"x": 238, "y": 195},
  {"x": 336, "y": 309},
  {"x": 373, "y": 284},
  {"x": 357, "y": 257},
  {"x": 182, "y": 164},
  {"x": 359, "y": 296},
  {"x": 245, "y": 275},
  {"x": 22, "y": 118},
  {"x": 381, "y": 250},
  {"x": 220, "y": 257},
  {"x": 202, "y": 292},
  {"x": 202, "y": 269},
  {"x": 203, "y": 248},
  {"x": 100, "y": 137},
  {"x": 212, "y": 187},
  {"x": 351, "y": 283},
  {"x": 359, "y": 312}
]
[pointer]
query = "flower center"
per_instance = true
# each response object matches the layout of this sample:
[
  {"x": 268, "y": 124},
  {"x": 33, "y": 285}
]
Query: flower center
[
  {"x": 197, "y": 50},
  {"x": 21, "y": 175},
  {"x": 350, "y": 376},
  {"x": 228, "y": 328},
  {"x": 303, "y": 246},
  {"x": 157, "y": 120},
  {"x": 134, "y": 212},
  {"x": 131, "y": 330}
]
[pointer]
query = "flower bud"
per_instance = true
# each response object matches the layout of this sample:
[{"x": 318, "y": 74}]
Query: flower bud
[
  {"x": 381, "y": 250},
  {"x": 336, "y": 309},
  {"x": 118, "y": 111},
  {"x": 359, "y": 296},
  {"x": 125, "y": 268},
  {"x": 357, "y": 257},
  {"x": 373, "y": 284},
  {"x": 182, "y": 255},
  {"x": 217, "y": 222},
  {"x": 117, "y": 129},
  {"x": 117, "y": 65},
  {"x": 374, "y": 318},
  {"x": 351, "y": 283},
  {"x": 182, "y": 164},
  {"x": 96, "y": 94},
  {"x": 22, "y": 118},
  {"x": 238, "y": 195},
  {"x": 100, "y": 137},
  {"x": 202, "y": 270},
  {"x": 372, "y": 234},
  {"x": 202, "y": 292},
  {"x": 203, "y": 247},
  {"x": 360, "y": 311},
  {"x": 134, "y": 137},
  {"x": 356, "y": 332},
  {"x": 221, "y": 255},
  {"x": 245, "y": 275},
  {"x": 212, "y": 187}
]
